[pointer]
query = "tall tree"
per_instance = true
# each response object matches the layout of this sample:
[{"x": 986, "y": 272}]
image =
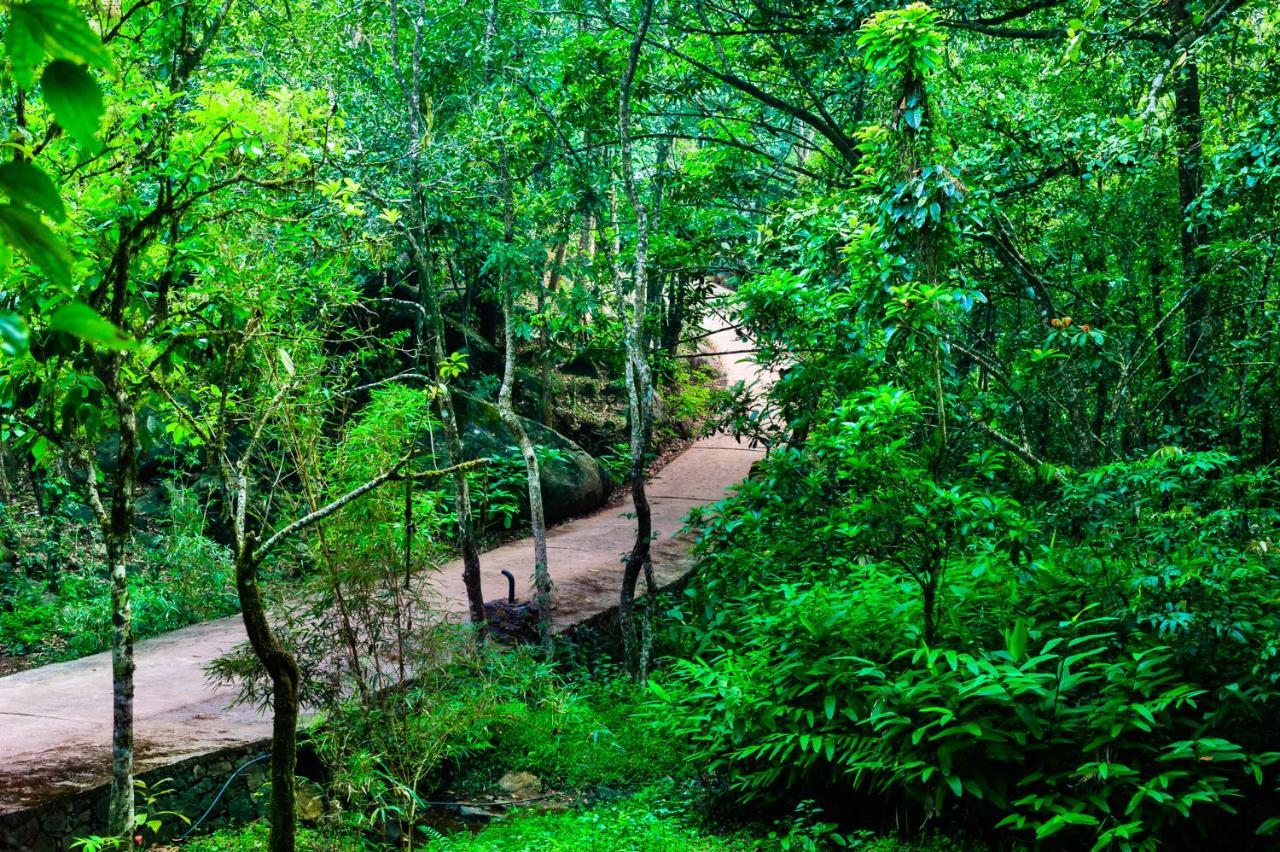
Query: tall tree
[{"x": 639, "y": 374}]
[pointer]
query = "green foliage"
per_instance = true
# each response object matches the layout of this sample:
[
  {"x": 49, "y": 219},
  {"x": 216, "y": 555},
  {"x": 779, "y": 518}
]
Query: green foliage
[
  {"x": 254, "y": 838},
  {"x": 56, "y": 31},
  {"x": 1011, "y": 562},
  {"x": 1104, "y": 677},
  {"x": 655, "y": 818},
  {"x": 84, "y": 322},
  {"x": 183, "y": 579},
  {"x": 75, "y": 99},
  {"x": 902, "y": 41},
  {"x": 466, "y": 724},
  {"x": 148, "y": 821}
]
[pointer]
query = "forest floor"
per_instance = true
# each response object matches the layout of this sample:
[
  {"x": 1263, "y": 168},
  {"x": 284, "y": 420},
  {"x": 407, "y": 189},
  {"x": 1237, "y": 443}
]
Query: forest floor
[{"x": 56, "y": 735}]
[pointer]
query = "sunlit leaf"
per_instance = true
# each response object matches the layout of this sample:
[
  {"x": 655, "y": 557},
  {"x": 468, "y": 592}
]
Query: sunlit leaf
[
  {"x": 75, "y": 98},
  {"x": 22, "y": 229},
  {"x": 84, "y": 322},
  {"x": 25, "y": 183}
]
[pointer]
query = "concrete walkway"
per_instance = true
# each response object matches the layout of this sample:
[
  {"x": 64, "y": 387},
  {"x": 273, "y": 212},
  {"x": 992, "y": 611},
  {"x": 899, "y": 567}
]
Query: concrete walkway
[{"x": 55, "y": 721}]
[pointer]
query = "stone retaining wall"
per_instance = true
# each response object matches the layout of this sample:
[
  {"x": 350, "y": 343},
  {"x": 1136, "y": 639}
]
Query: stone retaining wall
[{"x": 54, "y": 825}]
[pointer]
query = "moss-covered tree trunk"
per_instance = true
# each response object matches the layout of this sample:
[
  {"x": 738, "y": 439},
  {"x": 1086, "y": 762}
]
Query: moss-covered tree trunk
[{"x": 118, "y": 534}]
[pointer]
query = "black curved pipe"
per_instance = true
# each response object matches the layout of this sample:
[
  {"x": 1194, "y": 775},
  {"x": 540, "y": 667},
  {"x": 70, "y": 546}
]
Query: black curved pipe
[{"x": 511, "y": 585}]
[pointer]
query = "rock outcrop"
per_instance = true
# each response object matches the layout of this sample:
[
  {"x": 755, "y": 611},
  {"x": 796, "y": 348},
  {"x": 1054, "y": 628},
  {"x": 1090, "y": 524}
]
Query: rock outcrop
[{"x": 573, "y": 482}]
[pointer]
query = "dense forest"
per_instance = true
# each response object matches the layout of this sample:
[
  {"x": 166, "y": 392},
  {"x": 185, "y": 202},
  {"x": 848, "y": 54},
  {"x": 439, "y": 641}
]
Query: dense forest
[{"x": 309, "y": 305}]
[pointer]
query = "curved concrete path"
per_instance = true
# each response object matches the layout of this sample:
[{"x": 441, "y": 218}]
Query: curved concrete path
[{"x": 55, "y": 721}]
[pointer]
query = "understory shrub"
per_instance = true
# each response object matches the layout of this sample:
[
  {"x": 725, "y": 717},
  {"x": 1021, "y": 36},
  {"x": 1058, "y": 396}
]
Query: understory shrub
[
  {"x": 182, "y": 580},
  {"x": 1102, "y": 663},
  {"x": 460, "y": 727}
]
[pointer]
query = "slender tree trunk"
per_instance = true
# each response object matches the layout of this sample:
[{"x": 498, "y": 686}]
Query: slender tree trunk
[
  {"x": 282, "y": 668},
  {"x": 639, "y": 378},
  {"x": 120, "y": 817},
  {"x": 117, "y": 533},
  {"x": 550, "y": 280},
  {"x": 1193, "y": 234},
  {"x": 928, "y": 593},
  {"x": 462, "y": 500},
  {"x": 276, "y": 660},
  {"x": 6, "y": 491},
  {"x": 537, "y": 516},
  {"x": 674, "y": 324},
  {"x": 410, "y": 84},
  {"x": 453, "y": 438},
  {"x": 587, "y": 238}
]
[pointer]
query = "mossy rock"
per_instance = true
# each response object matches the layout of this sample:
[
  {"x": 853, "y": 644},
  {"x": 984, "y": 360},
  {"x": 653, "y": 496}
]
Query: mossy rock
[{"x": 573, "y": 482}]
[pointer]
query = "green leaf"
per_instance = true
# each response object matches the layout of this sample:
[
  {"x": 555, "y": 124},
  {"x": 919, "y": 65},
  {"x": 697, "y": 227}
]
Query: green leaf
[
  {"x": 25, "y": 183},
  {"x": 23, "y": 45},
  {"x": 13, "y": 334},
  {"x": 1053, "y": 826},
  {"x": 829, "y": 705},
  {"x": 84, "y": 322},
  {"x": 60, "y": 30},
  {"x": 21, "y": 228},
  {"x": 76, "y": 101},
  {"x": 1015, "y": 641}
]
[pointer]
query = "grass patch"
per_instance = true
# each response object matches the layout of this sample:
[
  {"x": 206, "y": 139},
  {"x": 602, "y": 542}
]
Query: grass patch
[{"x": 654, "y": 818}]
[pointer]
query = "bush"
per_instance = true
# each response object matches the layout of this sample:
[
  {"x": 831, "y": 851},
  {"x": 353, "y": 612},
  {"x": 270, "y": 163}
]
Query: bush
[
  {"x": 1107, "y": 673},
  {"x": 462, "y": 726},
  {"x": 253, "y": 838},
  {"x": 184, "y": 580}
]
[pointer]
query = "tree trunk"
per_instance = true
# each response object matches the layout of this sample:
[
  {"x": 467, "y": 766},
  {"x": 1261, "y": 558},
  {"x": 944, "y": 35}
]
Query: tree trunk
[
  {"x": 283, "y": 671},
  {"x": 537, "y": 517},
  {"x": 1192, "y": 235},
  {"x": 430, "y": 302},
  {"x": 639, "y": 378},
  {"x": 120, "y": 816},
  {"x": 117, "y": 533},
  {"x": 928, "y": 602},
  {"x": 279, "y": 664},
  {"x": 551, "y": 281},
  {"x": 673, "y": 325},
  {"x": 6, "y": 491},
  {"x": 453, "y": 438}
]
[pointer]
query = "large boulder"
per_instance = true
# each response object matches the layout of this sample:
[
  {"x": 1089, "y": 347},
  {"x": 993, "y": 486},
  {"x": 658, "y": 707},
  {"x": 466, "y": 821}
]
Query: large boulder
[{"x": 573, "y": 483}]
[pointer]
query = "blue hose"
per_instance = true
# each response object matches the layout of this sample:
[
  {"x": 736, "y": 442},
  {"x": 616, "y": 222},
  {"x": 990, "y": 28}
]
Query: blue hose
[{"x": 218, "y": 797}]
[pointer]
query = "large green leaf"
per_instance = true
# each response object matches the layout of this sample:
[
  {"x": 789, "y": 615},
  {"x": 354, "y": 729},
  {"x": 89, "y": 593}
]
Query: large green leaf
[
  {"x": 56, "y": 28},
  {"x": 74, "y": 96},
  {"x": 84, "y": 322},
  {"x": 13, "y": 334},
  {"x": 25, "y": 183},
  {"x": 23, "y": 45},
  {"x": 22, "y": 229}
]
